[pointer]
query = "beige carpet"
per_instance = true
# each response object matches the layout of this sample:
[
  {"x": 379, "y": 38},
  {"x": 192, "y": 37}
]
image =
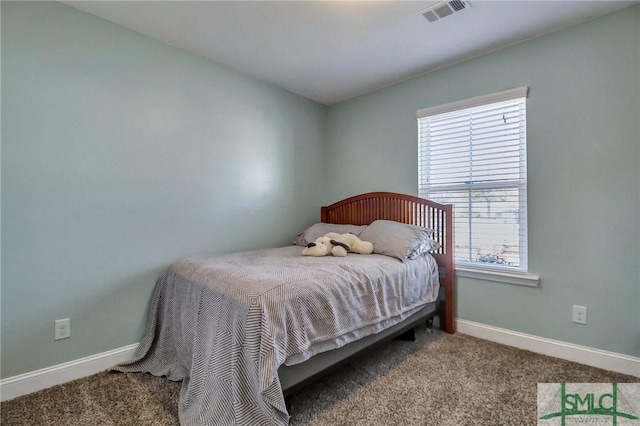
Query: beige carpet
[{"x": 438, "y": 380}]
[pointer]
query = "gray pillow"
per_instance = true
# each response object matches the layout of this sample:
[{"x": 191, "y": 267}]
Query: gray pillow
[
  {"x": 320, "y": 229},
  {"x": 399, "y": 240}
]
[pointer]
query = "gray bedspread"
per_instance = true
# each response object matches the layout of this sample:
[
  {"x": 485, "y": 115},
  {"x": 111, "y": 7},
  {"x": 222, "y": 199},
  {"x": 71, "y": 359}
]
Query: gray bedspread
[{"x": 225, "y": 324}]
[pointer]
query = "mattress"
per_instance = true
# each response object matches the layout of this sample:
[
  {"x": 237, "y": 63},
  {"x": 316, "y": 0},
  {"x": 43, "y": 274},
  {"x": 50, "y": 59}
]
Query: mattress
[{"x": 225, "y": 324}]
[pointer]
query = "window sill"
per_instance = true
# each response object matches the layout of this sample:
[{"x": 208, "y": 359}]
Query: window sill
[{"x": 527, "y": 279}]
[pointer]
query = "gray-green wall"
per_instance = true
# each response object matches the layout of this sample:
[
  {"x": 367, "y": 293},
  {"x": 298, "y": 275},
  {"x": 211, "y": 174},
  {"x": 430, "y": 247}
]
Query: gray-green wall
[
  {"x": 121, "y": 154},
  {"x": 583, "y": 156}
]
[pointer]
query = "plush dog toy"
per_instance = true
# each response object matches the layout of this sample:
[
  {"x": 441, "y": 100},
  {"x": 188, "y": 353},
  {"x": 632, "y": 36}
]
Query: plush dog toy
[
  {"x": 324, "y": 246},
  {"x": 337, "y": 245}
]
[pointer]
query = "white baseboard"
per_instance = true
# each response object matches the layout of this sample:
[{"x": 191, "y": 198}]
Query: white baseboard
[
  {"x": 606, "y": 360},
  {"x": 13, "y": 387}
]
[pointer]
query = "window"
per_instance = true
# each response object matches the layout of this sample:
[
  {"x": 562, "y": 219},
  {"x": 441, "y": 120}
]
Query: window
[{"x": 472, "y": 154}]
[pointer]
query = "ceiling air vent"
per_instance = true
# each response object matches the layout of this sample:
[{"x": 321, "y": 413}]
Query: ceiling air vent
[{"x": 443, "y": 9}]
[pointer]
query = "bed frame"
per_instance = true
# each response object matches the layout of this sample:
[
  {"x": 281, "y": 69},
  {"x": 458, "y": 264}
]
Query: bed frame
[{"x": 362, "y": 210}]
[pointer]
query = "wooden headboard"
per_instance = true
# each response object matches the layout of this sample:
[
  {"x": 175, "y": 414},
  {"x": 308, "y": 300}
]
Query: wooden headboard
[{"x": 365, "y": 208}]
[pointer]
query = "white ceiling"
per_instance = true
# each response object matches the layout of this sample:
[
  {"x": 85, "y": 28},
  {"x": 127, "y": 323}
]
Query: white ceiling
[{"x": 330, "y": 51}]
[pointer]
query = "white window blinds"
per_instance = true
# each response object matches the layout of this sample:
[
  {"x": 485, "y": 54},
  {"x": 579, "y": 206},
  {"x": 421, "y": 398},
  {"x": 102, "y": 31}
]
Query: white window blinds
[{"x": 472, "y": 154}]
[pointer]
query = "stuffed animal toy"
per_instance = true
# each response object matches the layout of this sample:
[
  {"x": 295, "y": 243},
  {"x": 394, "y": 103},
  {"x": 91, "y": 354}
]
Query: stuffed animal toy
[
  {"x": 324, "y": 246},
  {"x": 353, "y": 243},
  {"x": 337, "y": 245}
]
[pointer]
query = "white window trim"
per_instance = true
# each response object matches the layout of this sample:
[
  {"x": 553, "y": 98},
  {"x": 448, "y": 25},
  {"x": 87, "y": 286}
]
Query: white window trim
[
  {"x": 507, "y": 95},
  {"x": 509, "y": 277}
]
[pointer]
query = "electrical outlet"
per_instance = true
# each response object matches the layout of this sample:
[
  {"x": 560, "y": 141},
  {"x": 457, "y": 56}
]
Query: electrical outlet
[
  {"x": 579, "y": 314},
  {"x": 62, "y": 329}
]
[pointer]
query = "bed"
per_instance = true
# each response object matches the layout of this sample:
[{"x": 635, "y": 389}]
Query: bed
[{"x": 244, "y": 330}]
